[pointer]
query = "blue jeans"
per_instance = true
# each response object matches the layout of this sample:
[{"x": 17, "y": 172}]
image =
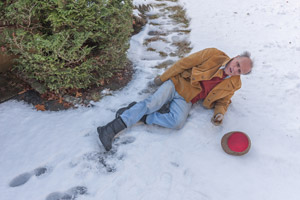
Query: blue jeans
[{"x": 166, "y": 93}]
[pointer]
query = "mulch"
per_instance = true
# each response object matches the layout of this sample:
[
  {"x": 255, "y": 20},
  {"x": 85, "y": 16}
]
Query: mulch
[{"x": 12, "y": 87}]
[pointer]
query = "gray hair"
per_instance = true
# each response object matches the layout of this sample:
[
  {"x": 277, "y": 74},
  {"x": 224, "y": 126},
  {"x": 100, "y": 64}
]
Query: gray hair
[{"x": 247, "y": 54}]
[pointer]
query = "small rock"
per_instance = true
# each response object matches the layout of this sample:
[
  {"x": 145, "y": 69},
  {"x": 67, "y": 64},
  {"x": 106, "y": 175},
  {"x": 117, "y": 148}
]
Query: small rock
[
  {"x": 95, "y": 96},
  {"x": 72, "y": 100}
]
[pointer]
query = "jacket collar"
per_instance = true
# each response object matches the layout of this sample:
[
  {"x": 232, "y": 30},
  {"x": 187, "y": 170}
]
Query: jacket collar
[{"x": 226, "y": 61}]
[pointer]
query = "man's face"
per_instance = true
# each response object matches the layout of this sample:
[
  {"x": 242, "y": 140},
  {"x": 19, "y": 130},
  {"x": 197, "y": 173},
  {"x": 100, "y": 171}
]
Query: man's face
[{"x": 238, "y": 65}]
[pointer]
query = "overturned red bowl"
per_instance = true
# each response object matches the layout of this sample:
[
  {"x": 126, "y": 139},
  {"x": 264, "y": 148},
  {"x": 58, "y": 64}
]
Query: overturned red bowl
[{"x": 236, "y": 143}]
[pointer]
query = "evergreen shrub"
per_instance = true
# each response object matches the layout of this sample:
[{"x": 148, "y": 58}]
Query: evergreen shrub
[{"x": 67, "y": 44}]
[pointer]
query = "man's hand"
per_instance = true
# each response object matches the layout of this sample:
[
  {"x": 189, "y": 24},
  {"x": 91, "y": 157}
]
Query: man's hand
[
  {"x": 217, "y": 120},
  {"x": 157, "y": 81}
]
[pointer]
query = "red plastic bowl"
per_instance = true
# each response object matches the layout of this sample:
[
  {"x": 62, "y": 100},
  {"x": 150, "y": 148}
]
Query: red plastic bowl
[{"x": 236, "y": 143}]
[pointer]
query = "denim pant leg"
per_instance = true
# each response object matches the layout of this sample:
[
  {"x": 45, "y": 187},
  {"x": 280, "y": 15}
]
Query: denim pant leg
[
  {"x": 175, "y": 119},
  {"x": 164, "y": 94}
]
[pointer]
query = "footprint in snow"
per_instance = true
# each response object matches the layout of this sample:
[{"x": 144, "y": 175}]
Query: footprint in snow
[
  {"x": 23, "y": 178},
  {"x": 124, "y": 140},
  {"x": 70, "y": 194},
  {"x": 103, "y": 161}
]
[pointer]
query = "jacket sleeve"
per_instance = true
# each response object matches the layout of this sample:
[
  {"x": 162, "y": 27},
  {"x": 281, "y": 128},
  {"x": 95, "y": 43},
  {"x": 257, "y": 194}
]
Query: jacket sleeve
[
  {"x": 222, "y": 104},
  {"x": 188, "y": 62}
]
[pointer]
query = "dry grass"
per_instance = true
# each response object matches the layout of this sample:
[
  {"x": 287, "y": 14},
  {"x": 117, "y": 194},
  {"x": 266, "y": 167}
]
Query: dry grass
[
  {"x": 151, "y": 49},
  {"x": 163, "y": 54},
  {"x": 153, "y": 39},
  {"x": 183, "y": 48},
  {"x": 179, "y": 14},
  {"x": 165, "y": 64},
  {"x": 153, "y": 16}
]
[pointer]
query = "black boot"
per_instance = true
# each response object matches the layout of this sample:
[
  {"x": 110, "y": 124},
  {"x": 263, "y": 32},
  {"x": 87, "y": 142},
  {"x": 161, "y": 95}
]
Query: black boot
[
  {"x": 109, "y": 131},
  {"x": 143, "y": 119},
  {"x": 121, "y": 110},
  {"x": 165, "y": 108}
]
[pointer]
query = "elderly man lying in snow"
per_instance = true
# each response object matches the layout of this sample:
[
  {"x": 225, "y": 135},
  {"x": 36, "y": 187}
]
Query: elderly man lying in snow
[{"x": 208, "y": 75}]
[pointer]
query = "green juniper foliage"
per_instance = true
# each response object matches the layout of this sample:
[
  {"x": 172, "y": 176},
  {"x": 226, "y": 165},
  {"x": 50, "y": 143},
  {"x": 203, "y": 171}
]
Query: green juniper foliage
[{"x": 67, "y": 43}]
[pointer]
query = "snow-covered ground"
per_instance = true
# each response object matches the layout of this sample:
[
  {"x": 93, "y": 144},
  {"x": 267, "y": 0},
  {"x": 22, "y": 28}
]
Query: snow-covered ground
[{"x": 56, "y": 154}]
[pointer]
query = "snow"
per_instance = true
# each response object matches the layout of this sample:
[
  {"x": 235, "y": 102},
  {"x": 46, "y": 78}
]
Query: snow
[{"x": 150, "y": 162}]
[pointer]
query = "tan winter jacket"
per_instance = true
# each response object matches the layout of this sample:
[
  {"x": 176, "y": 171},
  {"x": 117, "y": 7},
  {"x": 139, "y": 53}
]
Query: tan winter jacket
[{"x": 203, "y": 65}]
